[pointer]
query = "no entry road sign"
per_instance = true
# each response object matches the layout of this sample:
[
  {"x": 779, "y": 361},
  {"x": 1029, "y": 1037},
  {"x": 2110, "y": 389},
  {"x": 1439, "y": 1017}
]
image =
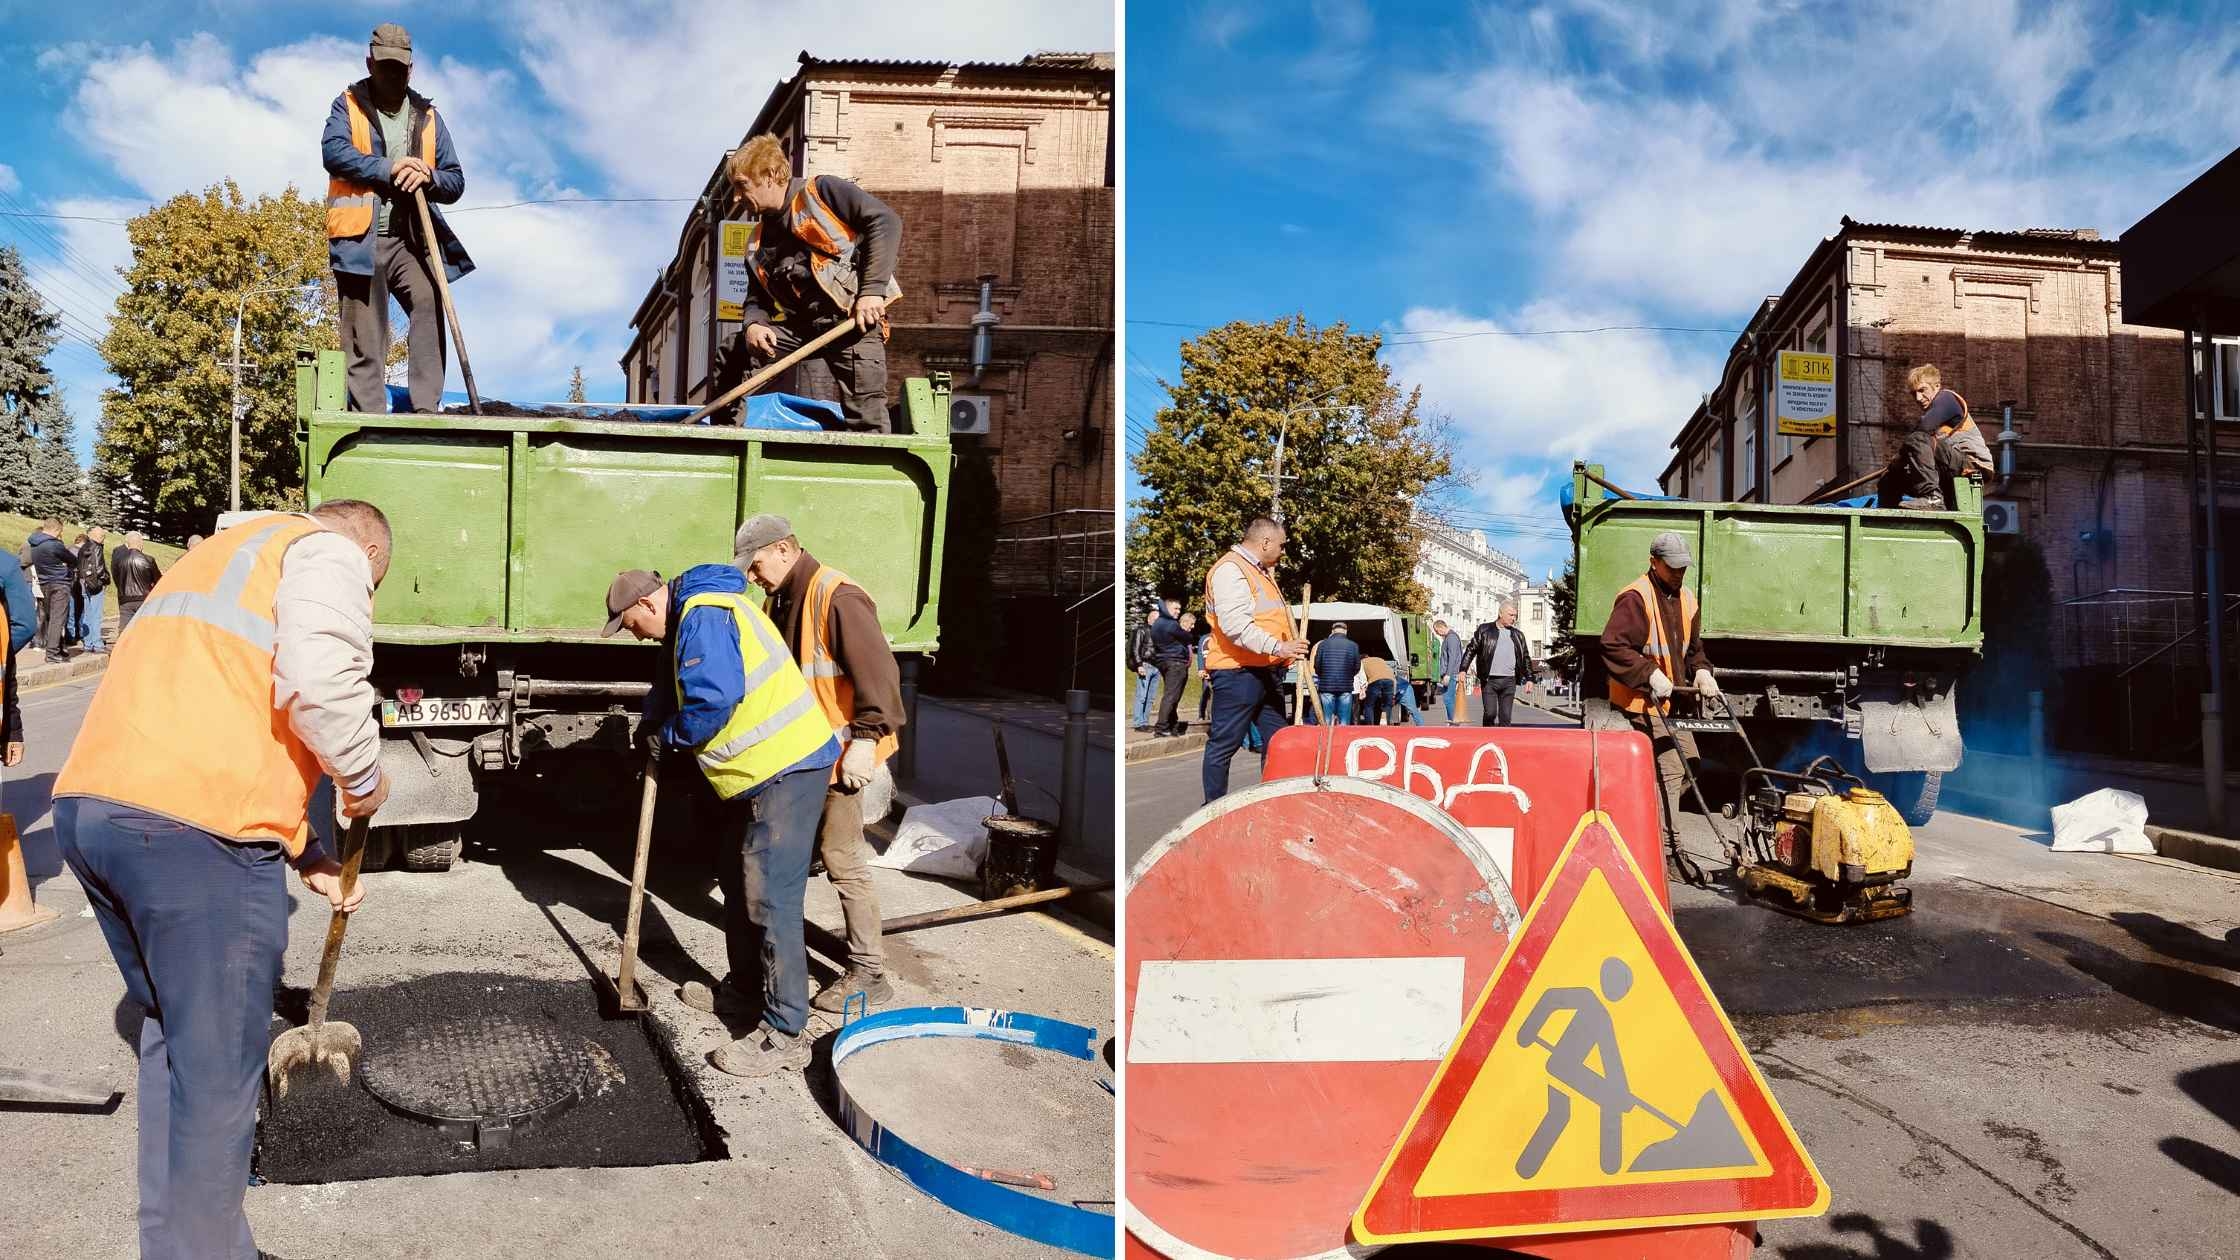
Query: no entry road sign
[
  {"x": 1298, "y": 960},
  {"x": 1596, "y": 1086}
]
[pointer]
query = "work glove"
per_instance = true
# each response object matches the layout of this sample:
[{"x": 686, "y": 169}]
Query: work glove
[
  {"x": 649, "y": 742},
  {"x": 1660, "y": 687},
  {"x": 858, "y": 764},
  {"x": 1706, "y": 685}
]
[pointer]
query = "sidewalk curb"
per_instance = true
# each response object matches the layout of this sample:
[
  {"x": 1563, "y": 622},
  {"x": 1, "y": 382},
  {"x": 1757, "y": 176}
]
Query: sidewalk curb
[
  {"x": 1165, "y": 746},
  {"x": 46, "y": 675},
  {"x": 2196, "y": 847}
]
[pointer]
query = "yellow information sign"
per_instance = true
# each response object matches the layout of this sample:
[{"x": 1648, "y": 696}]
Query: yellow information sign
[
  {"x": 1804, "y": 401},
  {"x": 1596, "y": 1085},
  {"x": 731, "y": 270}
]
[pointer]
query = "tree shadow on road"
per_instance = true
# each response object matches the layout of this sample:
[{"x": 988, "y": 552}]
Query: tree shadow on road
[{"x": 2172, "y": 990}]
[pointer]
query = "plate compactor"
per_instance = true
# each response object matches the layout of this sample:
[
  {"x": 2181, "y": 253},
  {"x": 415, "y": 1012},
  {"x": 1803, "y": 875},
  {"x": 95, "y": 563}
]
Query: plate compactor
[{"x": 1819, "y": 844}]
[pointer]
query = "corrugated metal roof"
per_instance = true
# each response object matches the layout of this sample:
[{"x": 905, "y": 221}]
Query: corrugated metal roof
[
  {"x": 1033, "y": 61},
  {"x": 2078, "y": 235}
]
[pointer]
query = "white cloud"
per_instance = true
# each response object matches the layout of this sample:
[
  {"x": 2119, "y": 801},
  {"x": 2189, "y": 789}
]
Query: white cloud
[{"x": 8, "y": 181}]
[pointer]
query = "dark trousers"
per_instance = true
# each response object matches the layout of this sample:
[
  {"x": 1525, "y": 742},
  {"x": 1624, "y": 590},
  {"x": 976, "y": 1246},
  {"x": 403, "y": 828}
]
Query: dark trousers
[
  {"x": 774, "y": 834},
  {"x": 852, "y": 371},
  {"x": 1243, "y": 699},
  {"x": 125, "y": 609},
  {"x": 54, "y": 616},
  {"x": 197, "y": 926},
  {"x": 1172, "y": 676},
  {"x": 1924, "y": 466},
  {"x": 1500, "y": 698},
  {"x": 1377, "y": 702},
  {"x": 400, "y": 273},
  {"x": 1676, "y": 753}
]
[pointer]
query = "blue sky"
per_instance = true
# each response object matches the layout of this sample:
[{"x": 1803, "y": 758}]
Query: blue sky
[
  {"x": 115, "y": 104},
  {"x": 1457, "y": 174}
]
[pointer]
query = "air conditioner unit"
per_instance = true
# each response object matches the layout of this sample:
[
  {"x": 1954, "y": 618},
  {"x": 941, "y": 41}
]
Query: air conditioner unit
[
  {"x": 968, "y": 413},
  {"x": 2002, "y": 516}
]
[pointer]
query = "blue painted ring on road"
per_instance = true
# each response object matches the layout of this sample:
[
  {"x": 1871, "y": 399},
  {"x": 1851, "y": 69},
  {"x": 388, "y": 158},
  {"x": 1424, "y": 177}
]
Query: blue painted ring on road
[{"x": 1055, "y": 1224}]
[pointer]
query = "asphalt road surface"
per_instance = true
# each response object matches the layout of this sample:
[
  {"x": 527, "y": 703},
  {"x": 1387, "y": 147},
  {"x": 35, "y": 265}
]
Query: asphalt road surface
[
  {"x": 2042, "y": 1060},
  {"x": 542, "y": 900}
]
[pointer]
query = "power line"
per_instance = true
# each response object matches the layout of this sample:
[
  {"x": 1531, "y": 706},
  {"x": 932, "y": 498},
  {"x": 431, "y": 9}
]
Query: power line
[
  {"x": 1422, "y": 336},
  {"x": 84, "y": 265},
  {"x": 503, "y": 205}
]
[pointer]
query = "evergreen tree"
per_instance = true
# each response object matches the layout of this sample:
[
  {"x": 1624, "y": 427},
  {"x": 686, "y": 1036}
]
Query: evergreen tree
[
  {"x": 28, "y": 334},
  {"x": 575, "y": 388},
  {"x": 58, "y": 485}
]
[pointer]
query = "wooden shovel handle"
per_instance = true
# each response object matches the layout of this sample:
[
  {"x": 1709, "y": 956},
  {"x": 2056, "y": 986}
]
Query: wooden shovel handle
[
  {"x": 353, "y": 857},
  {"x": 747, "y": 386}
]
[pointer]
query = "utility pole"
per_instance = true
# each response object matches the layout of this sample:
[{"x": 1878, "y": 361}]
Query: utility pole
[
  {"x": 240, "y": 309},
  {"x": 1283, "y": 430}
]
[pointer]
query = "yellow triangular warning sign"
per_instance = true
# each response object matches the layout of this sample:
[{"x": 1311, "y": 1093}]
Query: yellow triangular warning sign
[{"x": 1596, "y": 1085}]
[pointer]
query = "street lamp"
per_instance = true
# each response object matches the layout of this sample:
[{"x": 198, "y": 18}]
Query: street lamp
[
  {"x": 1275, "y": 481},
  {"x": 240, "y": 308}
]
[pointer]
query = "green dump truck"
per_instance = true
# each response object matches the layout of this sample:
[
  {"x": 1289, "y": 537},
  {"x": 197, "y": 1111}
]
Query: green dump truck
[
  {"x": 508, "y": 529},
  {"x": 1841, "y": 630}
]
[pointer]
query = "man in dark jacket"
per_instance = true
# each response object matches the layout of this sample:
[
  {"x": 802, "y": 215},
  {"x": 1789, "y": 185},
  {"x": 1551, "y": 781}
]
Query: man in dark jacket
[
  {"x": 22, "y": 622},
  {"x": 1502, "y": 662},
  {"x": 383, "y": 144},
  {"x": 1170, "y": 651},
  {"x": 1146, "y": 671},
  {"x": 137, "y": 574},
  {"x": 1336, "y": 660},
  {"x": 820, "y": 252},
  {"x": 54, "y": 564},
  {"x": 86, "y": 602}
]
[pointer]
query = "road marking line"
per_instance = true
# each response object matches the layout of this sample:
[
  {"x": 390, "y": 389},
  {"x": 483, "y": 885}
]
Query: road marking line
[{"x": 1296, "y": 1010}]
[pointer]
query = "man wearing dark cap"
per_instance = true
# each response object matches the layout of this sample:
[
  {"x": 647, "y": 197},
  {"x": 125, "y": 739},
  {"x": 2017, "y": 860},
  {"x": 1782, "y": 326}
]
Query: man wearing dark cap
[
  {"x": 732, "y": 696},
  {"x": 384, "y": 144},
  {"x": 831, "y": 628},
  {"x": 1654, "y": 635}
]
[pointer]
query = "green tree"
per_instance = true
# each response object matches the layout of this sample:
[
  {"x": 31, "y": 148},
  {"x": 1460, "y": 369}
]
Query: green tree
[
  {"x": 1351, "y": 477},
  {"x": 164, "y": 430},
  {"x": 575, "y": 387},
  {"x": 58, "y": 484},
  {"x": 28, "y": 334},
  {"x": 1563, "y": 612}
]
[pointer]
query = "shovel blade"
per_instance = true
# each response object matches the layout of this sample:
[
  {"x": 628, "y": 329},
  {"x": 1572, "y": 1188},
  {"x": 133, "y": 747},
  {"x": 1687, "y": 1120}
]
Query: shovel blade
[
  {"x": 303, "y": 1056},
  {"x": 629, "y": 997}
]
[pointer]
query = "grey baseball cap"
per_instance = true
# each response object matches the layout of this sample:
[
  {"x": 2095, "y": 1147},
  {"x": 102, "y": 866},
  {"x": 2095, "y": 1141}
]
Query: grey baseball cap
[
  {"x": 391, "y": 43},
  {"x": 1671, "y": 548},
  {"x": 628, "y": 587},
  {"x": 757, "y": 533}
]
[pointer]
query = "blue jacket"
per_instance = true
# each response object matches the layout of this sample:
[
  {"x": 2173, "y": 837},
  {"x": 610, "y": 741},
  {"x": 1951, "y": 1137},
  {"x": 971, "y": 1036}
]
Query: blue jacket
[
  {"x": 23, "y": 614},
  {"x": 702, "y": 652},
  {"x": 51, "y": 559},
  {"x": 1336, "y": 660},
  {"x": 354, "y": 254},
  {"x": 1170, "y": 643}
]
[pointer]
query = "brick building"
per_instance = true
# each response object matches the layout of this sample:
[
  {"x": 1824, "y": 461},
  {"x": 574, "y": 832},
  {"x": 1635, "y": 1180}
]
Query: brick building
[
  {"x": 999, "y": 170},
  {"x": 2027, "y": 323}
]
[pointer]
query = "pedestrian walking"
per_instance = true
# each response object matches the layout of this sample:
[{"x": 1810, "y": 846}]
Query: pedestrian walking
[
  {"x": 1146, "y": 671},
  {"x": 1170, "y": 651},
  {"x": 821, "y": 252},
  {"x": 1449, "y": 647},
  {"x": 831, "y": 626},
  {"x": 1336, "y": 660},
  {"x": 1503, "y": 664},
  {"x": 188, "y": 791},
  {"x": 87, "y": 601},
  {"x": 136, "y": 574},
  {"x": 383, "y": 144},
  {"x": 55, "y": 565},
  {"x": 1252, "y": 641},
  {"x": 733, "y": 698}
]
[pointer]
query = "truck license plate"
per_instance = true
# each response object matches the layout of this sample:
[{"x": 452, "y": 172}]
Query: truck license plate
[{"x": 485, "y": 711}]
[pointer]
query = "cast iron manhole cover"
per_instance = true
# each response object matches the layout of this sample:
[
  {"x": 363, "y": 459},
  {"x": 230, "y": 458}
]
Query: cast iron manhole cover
[{"x": 479, "y": 1079}]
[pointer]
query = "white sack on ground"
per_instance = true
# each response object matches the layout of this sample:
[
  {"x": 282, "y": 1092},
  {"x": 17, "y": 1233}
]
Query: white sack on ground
[
  {"x": 945, "y": 839},
  {"x": 2110, "y": 820}
]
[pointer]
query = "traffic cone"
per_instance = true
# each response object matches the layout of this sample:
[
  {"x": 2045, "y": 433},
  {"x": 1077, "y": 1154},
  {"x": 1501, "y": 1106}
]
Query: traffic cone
[{"x": 17, "y": 909}]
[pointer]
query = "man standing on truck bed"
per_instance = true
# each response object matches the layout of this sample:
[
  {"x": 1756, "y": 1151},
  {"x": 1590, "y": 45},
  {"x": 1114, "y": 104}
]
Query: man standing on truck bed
[
  {"x": 1655, "y": 632},
  {"x": 832, "y": 629},
  {"x": 383, "y": 143},
  {"x": 820, "y": 251},
  {"x": 1945, "y": 444},
  {"x": 738, "y": 703},
  {"x": 190, "y": 785},
  {"x": 1252, "y": 642}
]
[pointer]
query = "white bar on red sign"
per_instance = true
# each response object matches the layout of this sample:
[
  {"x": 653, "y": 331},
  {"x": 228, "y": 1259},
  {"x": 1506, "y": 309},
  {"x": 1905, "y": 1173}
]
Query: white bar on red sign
[{"x": 1296, "y": 1010}]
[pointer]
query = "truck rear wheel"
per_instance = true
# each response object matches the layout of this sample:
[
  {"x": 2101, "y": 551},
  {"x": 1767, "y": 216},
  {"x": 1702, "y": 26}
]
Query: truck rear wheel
[
  {"x": 431, "y": 846},
  {"x": 1913, "y": 793}
]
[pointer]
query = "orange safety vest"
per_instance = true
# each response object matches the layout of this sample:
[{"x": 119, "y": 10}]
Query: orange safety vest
[
  {"x": 350, "y": 203},
  {"x": 1269, "y": 612},
  {"x": 1967, "y": 425},
  {"x": 831, "y": 244},
  {"x": 183, "y": 724},
  {"x": 1661, "y": 646},
  {"x": 828, "y": 682}
]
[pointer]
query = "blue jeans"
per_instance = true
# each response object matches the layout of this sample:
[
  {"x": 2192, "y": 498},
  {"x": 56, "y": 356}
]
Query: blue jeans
[
  {"x": 1243, "y": 700},
  {"x": 1454, "y": 684},
  {"x": 197, "y": 925},
  {"x": 1337, "y": 707},
  {"x": 88, "y": 616},
  {"x": 1406, "y": 692},
  {"x": 774, "y": 832},
  {"x": 1147, "y": 688}
]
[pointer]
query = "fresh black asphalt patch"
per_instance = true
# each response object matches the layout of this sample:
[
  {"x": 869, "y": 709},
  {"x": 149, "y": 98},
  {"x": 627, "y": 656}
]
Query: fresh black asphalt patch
[{"x": 641, "y": 1110}]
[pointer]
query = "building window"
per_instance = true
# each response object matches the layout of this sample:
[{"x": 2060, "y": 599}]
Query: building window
[
  {"x": 1746, "y": 441},
  {"x": 2224, "y": 378},
  {"x": 697, "y": 366}
]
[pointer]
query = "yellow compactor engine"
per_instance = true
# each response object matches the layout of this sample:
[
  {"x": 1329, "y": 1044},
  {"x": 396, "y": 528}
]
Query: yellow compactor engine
[{"x": 1824, "y": 845}]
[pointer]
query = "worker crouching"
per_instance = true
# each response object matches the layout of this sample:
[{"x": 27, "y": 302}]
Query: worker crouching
[{"x": 734, "y": 698}]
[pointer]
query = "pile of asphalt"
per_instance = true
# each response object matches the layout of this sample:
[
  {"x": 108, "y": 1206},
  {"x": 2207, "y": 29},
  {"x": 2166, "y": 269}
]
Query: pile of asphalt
[
  {"x": 641, "y": 1111},
  {"x": 501, "y": 408}
]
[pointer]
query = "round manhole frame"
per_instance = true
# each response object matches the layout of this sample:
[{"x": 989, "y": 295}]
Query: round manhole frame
[{"x": 509, "y": 1117}]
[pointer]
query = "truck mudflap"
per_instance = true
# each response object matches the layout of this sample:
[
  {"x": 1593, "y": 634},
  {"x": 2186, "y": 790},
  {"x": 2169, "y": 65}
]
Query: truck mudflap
[
  {"x": 1921, "y": 731},
  {"x": 430, "y": 780}
]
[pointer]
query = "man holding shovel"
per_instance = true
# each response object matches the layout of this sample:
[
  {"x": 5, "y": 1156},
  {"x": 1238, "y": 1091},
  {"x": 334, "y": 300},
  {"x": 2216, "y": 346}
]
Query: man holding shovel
[
  {"x": 820, "y": 252},
  {"x": 189, "y": 786},
  {"x": 732, "y": 696},
  {"x": 383, "y": 145}
]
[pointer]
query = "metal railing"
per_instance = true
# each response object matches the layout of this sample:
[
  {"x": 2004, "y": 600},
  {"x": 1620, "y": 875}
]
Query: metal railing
[
  {"x": 2154, "y": 647},
  {"x": 1095, "y": 631},
  {"x": 1068, "y": 552}
]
